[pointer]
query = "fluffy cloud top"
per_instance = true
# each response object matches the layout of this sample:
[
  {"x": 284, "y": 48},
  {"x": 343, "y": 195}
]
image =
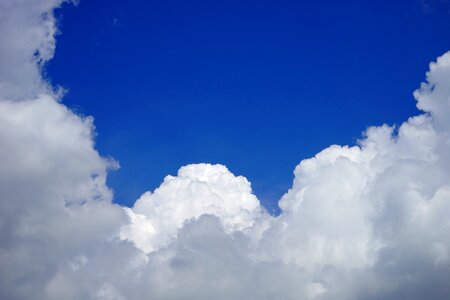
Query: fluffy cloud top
[
  {"x": 197, "y": 190},
  {"x": 370, "y": 221}
]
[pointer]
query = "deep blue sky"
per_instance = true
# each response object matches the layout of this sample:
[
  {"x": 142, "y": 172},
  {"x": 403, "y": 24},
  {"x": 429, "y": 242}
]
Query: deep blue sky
[{"x": 254, "y": 85}]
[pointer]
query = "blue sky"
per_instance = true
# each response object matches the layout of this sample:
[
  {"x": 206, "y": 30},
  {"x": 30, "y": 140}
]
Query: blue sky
[{"x": 255, "y": 85}]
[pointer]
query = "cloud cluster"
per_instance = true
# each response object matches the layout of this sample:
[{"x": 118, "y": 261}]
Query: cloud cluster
[{"x": 371, "y": 221}]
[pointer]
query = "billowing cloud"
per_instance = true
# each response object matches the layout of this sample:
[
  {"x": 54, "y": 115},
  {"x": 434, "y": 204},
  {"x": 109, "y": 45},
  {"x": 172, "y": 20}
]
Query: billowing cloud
[
  {"x": 27, "y": 42},
  {"x": 371, "y": 221},
  {"x": 197, "y": 190}
]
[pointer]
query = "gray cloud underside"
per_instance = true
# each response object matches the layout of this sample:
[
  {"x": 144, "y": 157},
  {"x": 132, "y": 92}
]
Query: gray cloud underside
[{"x": 370, "y": 221}]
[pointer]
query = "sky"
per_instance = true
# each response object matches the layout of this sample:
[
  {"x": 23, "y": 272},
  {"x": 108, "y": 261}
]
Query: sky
[
  {"x": 229, "y": 151},
  {"x": 254, "y": 85}
]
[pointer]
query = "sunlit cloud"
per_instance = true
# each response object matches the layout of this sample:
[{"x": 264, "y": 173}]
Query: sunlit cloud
[{"x": 368, "y": 221}]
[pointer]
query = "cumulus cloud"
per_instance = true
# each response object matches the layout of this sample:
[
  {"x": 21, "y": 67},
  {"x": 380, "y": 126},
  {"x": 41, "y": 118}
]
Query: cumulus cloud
[
  {"x": 370, "y": 221},
  {"x": 197, "y": 190},
  {"x": 27, "y": 42},
  {"x": 55, "y": 205}
]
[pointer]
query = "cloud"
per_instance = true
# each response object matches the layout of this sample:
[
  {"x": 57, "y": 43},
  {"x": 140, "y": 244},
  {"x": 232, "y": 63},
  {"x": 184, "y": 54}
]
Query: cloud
[
  {"x": 197, "y": 190},
  {"x": 371, "y": 221},
  {"x": 54, "y": 201},
  {"x": 27, "y": 42}
]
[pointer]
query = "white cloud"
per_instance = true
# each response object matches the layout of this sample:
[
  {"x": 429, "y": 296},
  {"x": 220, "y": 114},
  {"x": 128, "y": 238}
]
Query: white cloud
[
  {"x": 197, "y": 190},
  {"x": 27, "y": 42},
  {"x": 370, "y": 221},
  {"x": 54, "y": 201}
]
